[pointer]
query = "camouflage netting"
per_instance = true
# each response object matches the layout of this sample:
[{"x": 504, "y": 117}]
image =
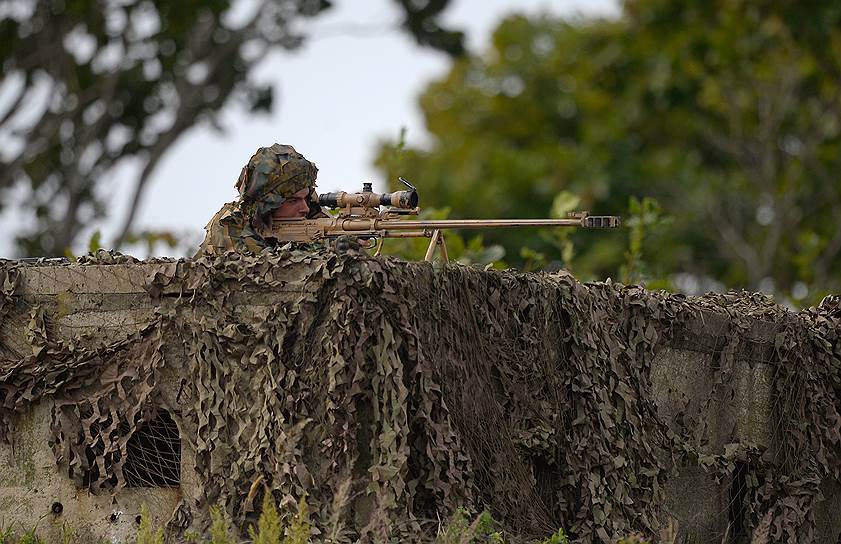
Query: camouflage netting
[{"x": 390, "y": 393}]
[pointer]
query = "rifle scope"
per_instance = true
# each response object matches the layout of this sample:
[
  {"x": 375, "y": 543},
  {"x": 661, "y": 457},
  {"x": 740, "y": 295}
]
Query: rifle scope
[{"x": 406, "y": 200}]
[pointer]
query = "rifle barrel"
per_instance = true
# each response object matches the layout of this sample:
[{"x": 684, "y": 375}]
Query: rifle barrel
[
  {"x": 591, "y": 221},
  {"x": 301, "y": 230},
  {"x": 481, "y": 223}
]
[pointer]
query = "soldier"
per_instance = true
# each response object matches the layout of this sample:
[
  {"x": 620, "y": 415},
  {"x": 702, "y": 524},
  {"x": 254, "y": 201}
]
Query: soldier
[{"x": 278, "y": 182}]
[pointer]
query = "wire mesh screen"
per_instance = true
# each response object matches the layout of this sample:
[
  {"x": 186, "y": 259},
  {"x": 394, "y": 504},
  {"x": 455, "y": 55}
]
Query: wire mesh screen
[{"x": 153, "y": 456}]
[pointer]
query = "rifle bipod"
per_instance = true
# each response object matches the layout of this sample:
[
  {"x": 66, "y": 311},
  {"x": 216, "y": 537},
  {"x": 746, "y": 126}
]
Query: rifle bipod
[{"x": 437, "y": 241}]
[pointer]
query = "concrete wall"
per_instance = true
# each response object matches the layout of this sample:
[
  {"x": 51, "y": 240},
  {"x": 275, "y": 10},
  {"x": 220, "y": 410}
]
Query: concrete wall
[
  {"x": 106, "y": 302},
  {"x": 32, "y": 488},
  {"x": 109, "y": 301}
]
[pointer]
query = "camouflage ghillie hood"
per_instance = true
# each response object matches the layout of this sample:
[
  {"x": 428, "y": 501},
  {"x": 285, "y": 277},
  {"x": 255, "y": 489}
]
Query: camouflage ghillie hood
[{"x": 272, "y": 175}]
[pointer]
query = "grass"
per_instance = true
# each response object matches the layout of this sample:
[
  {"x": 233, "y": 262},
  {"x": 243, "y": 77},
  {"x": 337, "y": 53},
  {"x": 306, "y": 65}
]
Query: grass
[
  {"x": 461, "y": 528},
  {"x": 145, "y": 534}
]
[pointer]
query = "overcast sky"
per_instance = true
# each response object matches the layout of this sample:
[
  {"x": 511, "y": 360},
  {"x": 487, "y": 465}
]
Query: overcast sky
[{"x": 354, "y": 82}]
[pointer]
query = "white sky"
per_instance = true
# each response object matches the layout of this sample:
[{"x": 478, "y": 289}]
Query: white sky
[{"x": 335, "y": 98}]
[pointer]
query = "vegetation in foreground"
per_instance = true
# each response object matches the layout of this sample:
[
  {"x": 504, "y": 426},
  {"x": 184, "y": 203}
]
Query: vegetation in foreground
[{"x": 462, "y": 528}]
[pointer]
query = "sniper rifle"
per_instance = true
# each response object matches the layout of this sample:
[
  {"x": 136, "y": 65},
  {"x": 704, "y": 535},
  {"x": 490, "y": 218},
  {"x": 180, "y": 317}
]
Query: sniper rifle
[{"x": 372, "y": 216}]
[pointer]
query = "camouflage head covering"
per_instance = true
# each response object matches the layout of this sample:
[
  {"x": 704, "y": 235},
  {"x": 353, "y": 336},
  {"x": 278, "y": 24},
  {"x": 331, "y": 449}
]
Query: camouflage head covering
[
  {"x": 273, "y": 174},
  {"x": 278, "y": 169}
]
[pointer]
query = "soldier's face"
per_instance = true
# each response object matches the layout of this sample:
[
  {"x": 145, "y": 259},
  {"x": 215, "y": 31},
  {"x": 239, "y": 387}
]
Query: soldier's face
[{"x": 295, "y": 206}]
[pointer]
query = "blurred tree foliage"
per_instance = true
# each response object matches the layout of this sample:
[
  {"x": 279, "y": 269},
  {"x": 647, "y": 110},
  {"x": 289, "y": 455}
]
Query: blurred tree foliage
[
  {"x": 724, "y": 116},
  {"x": 88, "y": 84}
]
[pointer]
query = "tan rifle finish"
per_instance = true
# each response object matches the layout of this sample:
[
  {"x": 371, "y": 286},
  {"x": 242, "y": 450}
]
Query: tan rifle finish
[{"x": 386, "y": 225}]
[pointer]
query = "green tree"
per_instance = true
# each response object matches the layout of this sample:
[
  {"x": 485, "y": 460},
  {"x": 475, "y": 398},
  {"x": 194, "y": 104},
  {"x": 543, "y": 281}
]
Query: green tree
[
  {"x": 90, "y": 84},
  {"x": 728, "y": 114}
]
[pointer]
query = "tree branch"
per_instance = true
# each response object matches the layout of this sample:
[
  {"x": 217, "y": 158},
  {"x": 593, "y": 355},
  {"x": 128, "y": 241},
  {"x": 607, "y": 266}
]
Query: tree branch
[
  {"x": 17, "y": 101},
  {"x": 736, "y": 245}
]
